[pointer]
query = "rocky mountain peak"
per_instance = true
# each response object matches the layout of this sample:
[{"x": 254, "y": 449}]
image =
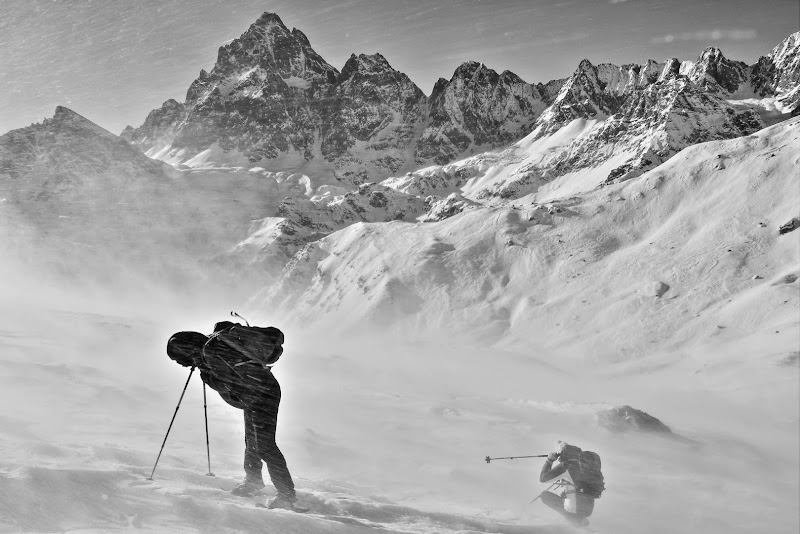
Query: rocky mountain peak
[
  {"x": 583, "y": 95},
  {"x": 671, "y": 69},
  {"x": 365, "y": 64},
  {"x": 474, "y": 73},
  {"x": 585, "y": 66},
  {"x": 478, "y": 107},
  {"x": 467, "y": 69},
  {"x": 510, "y": 78},
  {"x": 269, "y": 46},
  {"x": 65, "y": 118},
  {"x": 301, "y": 37},
  {"x": 778, "y": 73},
  {"x": 713, "y": 71},
  {"x": 438, "y": 87},
  {"x": 63, "y": 153},
  {"x": 268, "y": 19},
  {"x": 711, "y": 54}
]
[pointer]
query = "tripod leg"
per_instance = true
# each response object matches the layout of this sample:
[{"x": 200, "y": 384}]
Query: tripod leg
[
  {"x": 170, "y": 424},
  {"x": 208, "y": 447}
]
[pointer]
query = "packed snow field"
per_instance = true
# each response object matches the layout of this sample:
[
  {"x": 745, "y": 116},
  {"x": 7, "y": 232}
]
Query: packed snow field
[{"x": 388, "y": 428}]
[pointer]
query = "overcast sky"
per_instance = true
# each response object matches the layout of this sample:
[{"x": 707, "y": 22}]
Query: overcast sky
[{"x": 115, "y": 60}]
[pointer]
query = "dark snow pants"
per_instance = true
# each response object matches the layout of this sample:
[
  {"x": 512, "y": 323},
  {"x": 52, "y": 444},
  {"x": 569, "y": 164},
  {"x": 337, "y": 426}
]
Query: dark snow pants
[
  {"x": 584, "y": 506},
  {"x": 260, "y": 424}
]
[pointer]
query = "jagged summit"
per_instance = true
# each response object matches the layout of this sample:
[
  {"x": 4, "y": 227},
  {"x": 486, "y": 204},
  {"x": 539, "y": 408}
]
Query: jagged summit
[
  {"x": 467, "y": 69},
  {"x": 66, "y": 118},
  {"x": 778, "y": 73},
  {"x": 268, "y": 19},
  {"x": 373, "y": 63},
  {"x": 713, "y": 71}
]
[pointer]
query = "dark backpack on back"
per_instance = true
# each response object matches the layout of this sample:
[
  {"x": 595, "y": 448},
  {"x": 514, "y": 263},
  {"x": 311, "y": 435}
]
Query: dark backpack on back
[
  {"x": 586, "y": 474},
  {"x": 228, "y": 350}
]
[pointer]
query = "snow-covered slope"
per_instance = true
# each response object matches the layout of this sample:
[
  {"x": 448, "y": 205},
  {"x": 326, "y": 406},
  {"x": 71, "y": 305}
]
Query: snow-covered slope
[{"x": 703, "y": 227}]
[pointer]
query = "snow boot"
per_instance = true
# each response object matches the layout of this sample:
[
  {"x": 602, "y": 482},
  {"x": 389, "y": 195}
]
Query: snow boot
[
  {"x": 285, "y": 502},
  {"x": 248, "y": 488}
]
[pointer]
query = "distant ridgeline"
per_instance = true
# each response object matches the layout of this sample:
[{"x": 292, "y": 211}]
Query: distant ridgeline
[{"x": 272, "y": 101}]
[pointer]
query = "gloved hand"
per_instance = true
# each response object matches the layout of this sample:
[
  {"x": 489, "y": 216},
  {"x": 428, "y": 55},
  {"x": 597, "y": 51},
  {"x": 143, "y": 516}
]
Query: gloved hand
[
  {"x": 553, "y": 456},
  {"x": 198, "y": 361}
]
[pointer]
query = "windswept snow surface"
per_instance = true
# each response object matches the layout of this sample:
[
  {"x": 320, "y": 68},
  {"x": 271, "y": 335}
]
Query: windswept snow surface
[
  {"x": 376, "y": 435},
  {"x": 388, "y": 427}
]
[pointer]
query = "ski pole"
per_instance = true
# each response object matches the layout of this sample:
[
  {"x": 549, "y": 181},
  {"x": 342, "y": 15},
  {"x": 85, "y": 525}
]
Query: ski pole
[
  {"x": 208, "y": 447},
  {"x": 170, "y": 424},
  {"x": 488, "y": 460}
]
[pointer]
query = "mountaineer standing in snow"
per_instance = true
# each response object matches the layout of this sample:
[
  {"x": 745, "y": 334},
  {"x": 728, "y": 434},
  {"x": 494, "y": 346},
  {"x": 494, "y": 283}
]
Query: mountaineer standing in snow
[
  {"x": 236, "y": 362},
  {"x": 580, "y": 482}
]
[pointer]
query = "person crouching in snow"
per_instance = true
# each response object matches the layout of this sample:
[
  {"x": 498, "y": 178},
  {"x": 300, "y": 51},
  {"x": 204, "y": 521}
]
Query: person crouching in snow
[{"x": 577, "y": 473}]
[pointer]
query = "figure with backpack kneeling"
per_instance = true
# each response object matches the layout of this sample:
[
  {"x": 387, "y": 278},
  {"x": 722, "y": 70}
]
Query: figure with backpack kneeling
[
  {"x": 577, "y": 474},
  {"x": 236, "y": 362}
]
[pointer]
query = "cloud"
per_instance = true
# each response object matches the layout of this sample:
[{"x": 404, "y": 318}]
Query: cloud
[{"x": 707, "y": 35}]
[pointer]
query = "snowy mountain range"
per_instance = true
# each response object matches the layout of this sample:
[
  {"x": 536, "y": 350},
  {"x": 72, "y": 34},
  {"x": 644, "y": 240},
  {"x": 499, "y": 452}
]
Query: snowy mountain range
[
  {"x": 485, "y": 269},
  {"x": 271, "y": 100},
  {"x": 481, "y": 138},
  {"x": 314, "y": 151}
]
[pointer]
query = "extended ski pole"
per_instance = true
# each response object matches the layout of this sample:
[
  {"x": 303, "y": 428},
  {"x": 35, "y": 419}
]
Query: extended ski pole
[
  {"x": 208, "y": 447},
  {"x": 488, "y": 460},
  {"x": 170, "y": 424}
]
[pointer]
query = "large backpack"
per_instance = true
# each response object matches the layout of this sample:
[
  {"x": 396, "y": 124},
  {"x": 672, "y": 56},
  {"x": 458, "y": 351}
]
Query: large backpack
[
  {"x": 584, "y": 469},
  {"x": 228, "y": 349}
]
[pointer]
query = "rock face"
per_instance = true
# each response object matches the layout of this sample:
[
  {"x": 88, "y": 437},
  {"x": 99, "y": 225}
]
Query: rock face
[
  {"x": 264, "y": 97},
  {"x": 715, "y": 73},
  {"x": 478, "y": 108},
  {"x": 627, "y": 419},
  {"x": 778, "y": 73},
  {"x": 374, "y": 114},
  {"x": 272, "y": 100}
]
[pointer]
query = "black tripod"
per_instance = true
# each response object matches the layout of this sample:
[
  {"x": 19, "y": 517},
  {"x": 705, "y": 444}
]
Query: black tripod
[{"x": 205, "y": 411}]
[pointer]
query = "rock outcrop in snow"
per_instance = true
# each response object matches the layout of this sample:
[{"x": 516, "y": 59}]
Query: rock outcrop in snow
[{"x": 628, "y": 419}]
